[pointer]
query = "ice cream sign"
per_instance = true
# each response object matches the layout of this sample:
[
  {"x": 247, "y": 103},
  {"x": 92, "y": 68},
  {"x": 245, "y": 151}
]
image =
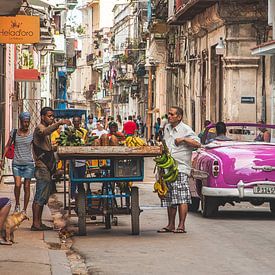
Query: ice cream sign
[{"x": 20, "y": 29}]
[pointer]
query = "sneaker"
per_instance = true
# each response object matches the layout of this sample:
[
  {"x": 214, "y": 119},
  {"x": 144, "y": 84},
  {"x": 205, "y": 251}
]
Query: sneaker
[{"x": 17, "y": 208}]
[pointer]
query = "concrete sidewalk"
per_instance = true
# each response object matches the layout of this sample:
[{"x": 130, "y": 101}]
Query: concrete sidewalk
[{"x": 31, "y": 254}]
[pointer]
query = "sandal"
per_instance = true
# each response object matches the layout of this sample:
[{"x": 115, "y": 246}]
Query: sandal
[
  {"x": 179, "y": 230},
  {"x": 45, "y": 227},
  {"x": 3, "y": 242},
  {"x": 34, "y": 228},
  {"x": 165, "y": 230}
]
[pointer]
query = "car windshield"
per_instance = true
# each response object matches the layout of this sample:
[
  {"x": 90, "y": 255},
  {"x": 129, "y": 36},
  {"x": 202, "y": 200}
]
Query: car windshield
[{"x": 249, "y": 132}]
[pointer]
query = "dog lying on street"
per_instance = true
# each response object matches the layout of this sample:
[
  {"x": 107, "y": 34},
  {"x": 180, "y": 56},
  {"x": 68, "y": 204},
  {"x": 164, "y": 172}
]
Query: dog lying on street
[{"x": 12, "y": 223}]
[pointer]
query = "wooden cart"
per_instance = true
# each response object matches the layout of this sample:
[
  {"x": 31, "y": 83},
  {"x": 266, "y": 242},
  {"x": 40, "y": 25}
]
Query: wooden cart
[{"x": 124, "y": 165}]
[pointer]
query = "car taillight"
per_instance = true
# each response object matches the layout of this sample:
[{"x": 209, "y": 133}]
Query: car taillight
[{"x": 215, "y": 168}]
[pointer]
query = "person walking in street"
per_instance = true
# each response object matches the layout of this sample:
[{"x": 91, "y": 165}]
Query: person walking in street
[
  {"x": 44, "y": 164},
  {"x": 22, "y": 163},
  {"x": 157, "y": 128},
  {"x": 129, "y": 127},
  {"x": 180, "y": 140}
]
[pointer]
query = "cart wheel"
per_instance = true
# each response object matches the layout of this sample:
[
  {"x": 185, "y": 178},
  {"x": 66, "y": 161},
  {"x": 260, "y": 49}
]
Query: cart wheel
[
  {"x": 81, "y": 211},
  {"x": 108, "y": 221},
  {"x": 135, "y": 211}
]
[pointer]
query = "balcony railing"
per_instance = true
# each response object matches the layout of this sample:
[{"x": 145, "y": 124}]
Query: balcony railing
[{"x": 188, "y": 9}]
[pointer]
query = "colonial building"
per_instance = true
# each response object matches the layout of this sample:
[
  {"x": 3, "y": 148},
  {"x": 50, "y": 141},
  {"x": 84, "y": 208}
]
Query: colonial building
[{"x": 215, "y": 76}]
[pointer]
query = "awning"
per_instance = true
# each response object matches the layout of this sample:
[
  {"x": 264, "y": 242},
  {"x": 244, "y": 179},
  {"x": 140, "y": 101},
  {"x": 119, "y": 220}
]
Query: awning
[
  {"x": 267, "y": 48},
  {"x": 29, "y": 75},
  {"x": 10, "y": 7}
]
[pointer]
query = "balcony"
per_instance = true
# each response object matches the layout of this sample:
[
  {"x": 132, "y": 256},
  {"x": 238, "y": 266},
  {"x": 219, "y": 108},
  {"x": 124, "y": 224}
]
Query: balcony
[
  {"x": 157, "y": 22},
  {"x": 90, "y": 59},
  {"x": 188, "y": 9}
]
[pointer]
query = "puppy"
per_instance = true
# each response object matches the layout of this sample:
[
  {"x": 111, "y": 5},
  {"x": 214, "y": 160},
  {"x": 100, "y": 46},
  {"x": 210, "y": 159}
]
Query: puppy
[{"x": 12, "y": 223}]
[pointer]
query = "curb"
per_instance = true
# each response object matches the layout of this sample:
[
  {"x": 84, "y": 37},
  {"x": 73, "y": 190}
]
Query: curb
[{"x": 59, "y": 262}]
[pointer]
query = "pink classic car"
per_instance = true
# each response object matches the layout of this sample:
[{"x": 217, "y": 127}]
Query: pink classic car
[{"x": 233, "y": 171}]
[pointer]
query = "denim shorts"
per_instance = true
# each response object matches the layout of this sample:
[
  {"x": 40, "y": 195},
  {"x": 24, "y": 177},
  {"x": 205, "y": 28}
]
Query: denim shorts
[
  {"x": 43, "y": 186},
  {"x": 23, "y": 171}
]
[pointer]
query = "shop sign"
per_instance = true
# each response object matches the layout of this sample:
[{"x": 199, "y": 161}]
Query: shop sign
[{"x": 20, "y": 29}]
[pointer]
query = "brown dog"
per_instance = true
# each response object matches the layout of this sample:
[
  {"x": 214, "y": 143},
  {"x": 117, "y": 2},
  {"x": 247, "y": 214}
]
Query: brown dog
[{"x": 12, "y": 223}]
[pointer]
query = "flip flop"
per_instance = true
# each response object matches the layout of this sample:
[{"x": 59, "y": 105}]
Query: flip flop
[
  {"x": 179, "y": 230},
  {"x": 34, "y": 228},
  {"x": 3, "y": 242},
  {"x": 165, "y": 230},
  {"x": 45, "y": 227}
]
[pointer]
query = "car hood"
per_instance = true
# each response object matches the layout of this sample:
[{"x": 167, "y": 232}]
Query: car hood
[{"x": 237, "y": 162}]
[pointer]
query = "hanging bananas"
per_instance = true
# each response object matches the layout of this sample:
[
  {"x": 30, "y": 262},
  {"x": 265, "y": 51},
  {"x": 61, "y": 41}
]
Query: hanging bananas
[
  {"x": 167, "y": 168},
  {"x": 161, "y": 188},
  {"x": 133, "y": 141}
]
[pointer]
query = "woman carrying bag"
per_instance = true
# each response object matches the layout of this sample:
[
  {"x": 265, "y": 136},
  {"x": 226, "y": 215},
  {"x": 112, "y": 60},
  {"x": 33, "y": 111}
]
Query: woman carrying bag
[{"x": 22, "y": 163}]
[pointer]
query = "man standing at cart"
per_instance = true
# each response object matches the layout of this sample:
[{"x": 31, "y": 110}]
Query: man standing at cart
[
  {"x": 79, "y": 165},
  {"x": 180, "y": 140},
  {"x": 44, "y": 164}
]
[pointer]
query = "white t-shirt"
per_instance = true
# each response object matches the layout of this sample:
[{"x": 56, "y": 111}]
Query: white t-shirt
[{"x": 98, "y": 133}]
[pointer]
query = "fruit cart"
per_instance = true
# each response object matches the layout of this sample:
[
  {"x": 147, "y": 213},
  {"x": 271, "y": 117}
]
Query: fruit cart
[{"x": 116, "y": 197}]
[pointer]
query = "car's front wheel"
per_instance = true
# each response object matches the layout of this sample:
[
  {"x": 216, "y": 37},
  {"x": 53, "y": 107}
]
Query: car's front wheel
[{"x": 209, "y": 206}]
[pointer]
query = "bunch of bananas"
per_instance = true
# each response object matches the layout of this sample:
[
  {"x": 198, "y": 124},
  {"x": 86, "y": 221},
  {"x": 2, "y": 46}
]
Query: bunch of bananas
[
  {"x": 70, "y": 137},
  {"x": 91, "y": 139},
  {"x": 133, "y": 141},
  {"x": 161, "y": 188},
  {"x": 167, "y": 163}
]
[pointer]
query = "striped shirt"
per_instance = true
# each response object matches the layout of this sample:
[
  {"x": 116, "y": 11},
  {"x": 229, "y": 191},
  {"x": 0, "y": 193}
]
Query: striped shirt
[{"x": 22, "y": 149}]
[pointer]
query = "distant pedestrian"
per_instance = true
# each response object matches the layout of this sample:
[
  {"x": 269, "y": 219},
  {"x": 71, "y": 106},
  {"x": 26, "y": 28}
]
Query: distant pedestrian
[
  {"x": 140, "y": 126},
  {"x": 180, "y": 140},
  {"x": 164, "y": 122},
  {"x": 44, "y": 164},
  {"x": 90, "y": 124},
  {"x": 22, "y": 163},
  {"x": 119, "y": 123},
  {"x": 129, "y": 127},
  {"x": 157, "y": 128}
]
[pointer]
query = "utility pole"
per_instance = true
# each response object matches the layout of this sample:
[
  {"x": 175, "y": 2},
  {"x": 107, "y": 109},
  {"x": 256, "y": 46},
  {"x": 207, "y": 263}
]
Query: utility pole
[{"x": 149, "y": 112}]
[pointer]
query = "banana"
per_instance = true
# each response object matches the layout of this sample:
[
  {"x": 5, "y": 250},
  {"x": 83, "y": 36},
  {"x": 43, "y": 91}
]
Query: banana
[
  {"x": 161, "y": 160},
  {"x": 160, "y": 188},
  {"x": 170, "y": 162},
  {"x": 173, "y": 177},
  {"x": 171, "y": 172}
]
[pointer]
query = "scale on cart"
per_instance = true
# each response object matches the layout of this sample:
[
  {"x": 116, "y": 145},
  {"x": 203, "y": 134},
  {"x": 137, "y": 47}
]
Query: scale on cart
[{"x": 124, "y": 165}]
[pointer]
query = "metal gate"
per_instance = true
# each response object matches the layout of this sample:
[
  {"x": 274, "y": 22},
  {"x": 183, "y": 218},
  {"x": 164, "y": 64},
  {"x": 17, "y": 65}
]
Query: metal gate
[{"x": 33, "y": 106}]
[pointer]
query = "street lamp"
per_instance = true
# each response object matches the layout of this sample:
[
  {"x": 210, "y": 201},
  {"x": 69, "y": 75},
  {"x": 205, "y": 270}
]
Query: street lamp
[{"x": 220, "y": 48}]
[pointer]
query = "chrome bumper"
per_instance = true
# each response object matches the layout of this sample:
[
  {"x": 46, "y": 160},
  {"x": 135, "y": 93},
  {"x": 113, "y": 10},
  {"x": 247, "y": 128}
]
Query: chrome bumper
[{"x": 241, "y": 191}]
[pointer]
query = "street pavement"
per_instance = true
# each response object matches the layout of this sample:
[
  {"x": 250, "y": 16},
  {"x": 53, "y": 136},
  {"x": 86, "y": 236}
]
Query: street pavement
[
  {"x": 239, "y": 240},
  {"x": 31, "y": 254}
]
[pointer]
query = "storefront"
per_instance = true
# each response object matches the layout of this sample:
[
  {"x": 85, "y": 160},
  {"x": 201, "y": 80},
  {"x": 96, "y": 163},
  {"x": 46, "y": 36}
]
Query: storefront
[{"x": 2, "y": 95}]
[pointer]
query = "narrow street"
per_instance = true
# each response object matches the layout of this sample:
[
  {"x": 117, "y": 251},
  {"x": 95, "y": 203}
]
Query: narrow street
[{"x": 237, "y": 241}]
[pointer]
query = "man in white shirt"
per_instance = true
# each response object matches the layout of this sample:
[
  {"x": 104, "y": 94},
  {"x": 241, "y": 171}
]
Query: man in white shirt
[
  {"x": 180, "y": 140},
  {"x": 99, "y": 131}
]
